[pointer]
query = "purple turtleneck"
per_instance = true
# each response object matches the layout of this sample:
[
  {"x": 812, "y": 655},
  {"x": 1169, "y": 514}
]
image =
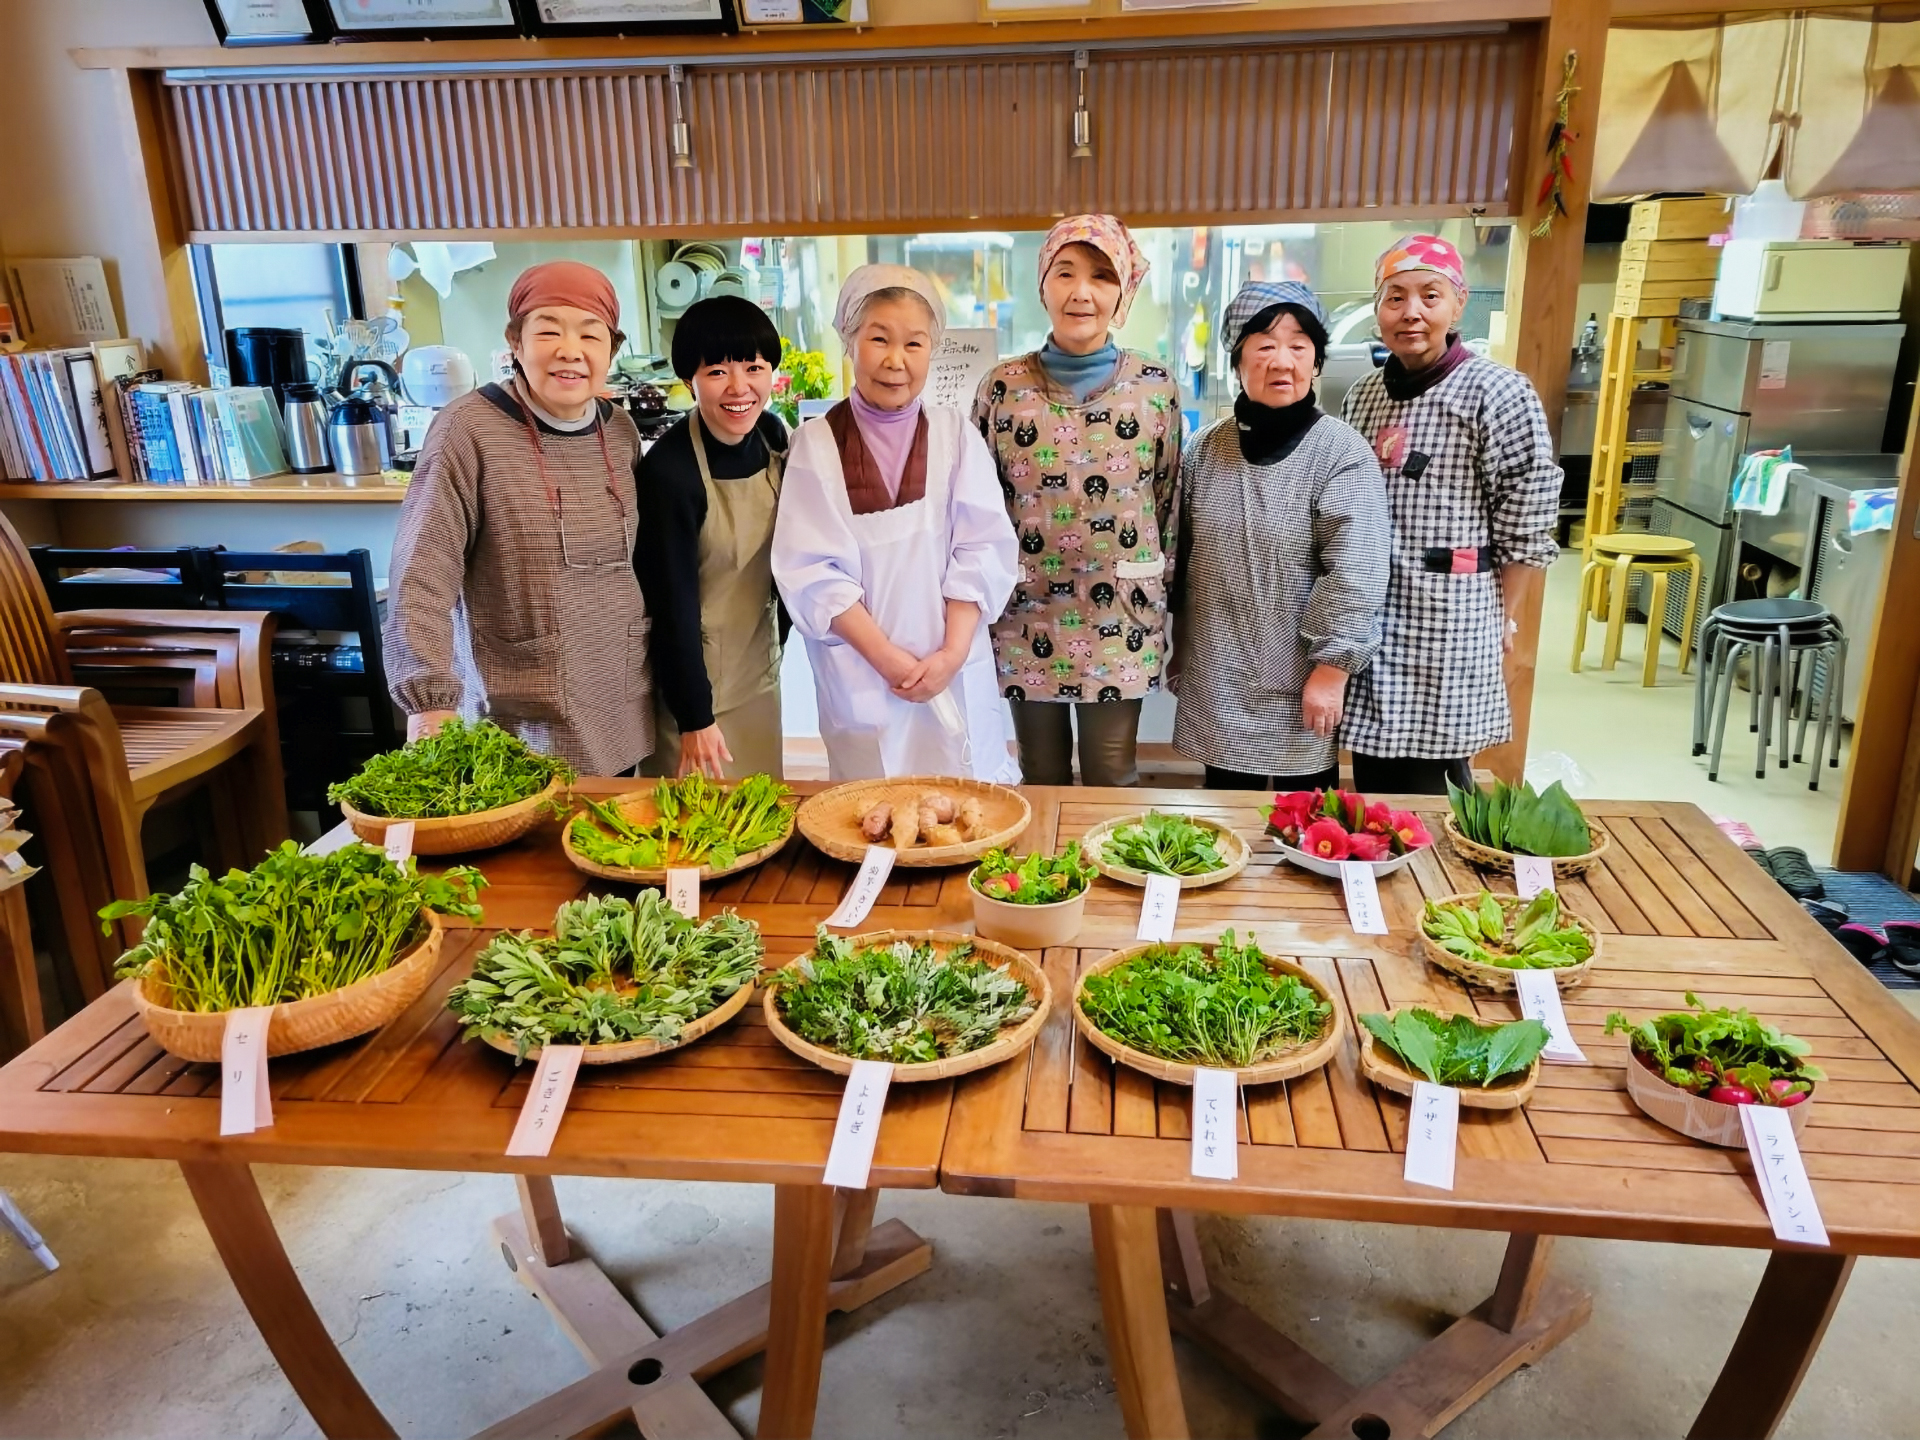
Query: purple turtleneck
[{"x": 889, "y": 436}]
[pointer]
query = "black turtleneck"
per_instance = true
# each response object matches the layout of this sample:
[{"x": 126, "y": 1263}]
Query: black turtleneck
[
  {"x": 1269, "y": 433},
  {"x": 1405, "y": 384}
]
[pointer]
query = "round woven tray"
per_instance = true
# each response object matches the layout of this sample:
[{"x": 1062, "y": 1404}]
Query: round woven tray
[
  {"x": 1009, "y": 1044},
  {"x": 1235, "y": 848},
  {"x": 1386, "y": 1070},
  {"x": 1487, "y": 858},
  {"x": 640, "y": 1049},
  {"x": 1298, "y": 1061},
  {"x": 458, "y": 834},
  {"x": 1498, "y": 977},
  {"x": 297, "y": 1024},
  {"x": 830, "y": 820},
  {"x": 639, "y": 805}
]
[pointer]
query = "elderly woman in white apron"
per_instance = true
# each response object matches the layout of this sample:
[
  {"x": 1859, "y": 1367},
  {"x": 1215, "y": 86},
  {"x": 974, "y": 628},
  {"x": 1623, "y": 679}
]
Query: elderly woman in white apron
[{"x": 893, "y": 553}]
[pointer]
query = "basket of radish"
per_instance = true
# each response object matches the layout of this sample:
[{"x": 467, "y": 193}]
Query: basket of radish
[{"x": 1692, "y": 1070}]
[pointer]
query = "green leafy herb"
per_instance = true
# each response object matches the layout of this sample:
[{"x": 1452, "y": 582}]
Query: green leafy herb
[
  {"x": 1457, "y": 1049},
  {"x": 1165, "y": 845},
  {"x": 1033, "y": 879},
  {"x": 1520, "y": 821},
  {"x": 902, "y": 1002},
  {"x": 1701, "y": 1050},
  {"x": 460, "y": 769},
  {"x": 1227, "y": 1010},
  {"x": 294, "y": 926},
  {"x": 613, "y": 970},
  {"x": 1507, "y": 931},
  {"x": 700, "y": 823}
]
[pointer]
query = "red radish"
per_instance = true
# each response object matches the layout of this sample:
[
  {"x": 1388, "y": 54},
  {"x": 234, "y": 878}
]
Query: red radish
[
  {"x": 1784, "y": 1094},
  {"x": 1731, "y": 1095},
  {"x": 1793, "y": 1098}
]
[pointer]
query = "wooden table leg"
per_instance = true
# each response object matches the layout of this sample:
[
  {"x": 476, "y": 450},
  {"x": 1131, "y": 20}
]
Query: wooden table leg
[
  {"x": 1797, "y": 1297},
  {"x": 1126, "y": 1250},
  {"x": 803, "y": 1244},
  {"x": 242, "y": 1230},
  {"x": 853, "y": 1229},
  {"x": 540, "y": 1210}
]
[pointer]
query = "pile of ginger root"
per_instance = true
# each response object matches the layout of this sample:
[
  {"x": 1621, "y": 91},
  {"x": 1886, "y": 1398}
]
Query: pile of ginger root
[{"x": 934, "y": 818}]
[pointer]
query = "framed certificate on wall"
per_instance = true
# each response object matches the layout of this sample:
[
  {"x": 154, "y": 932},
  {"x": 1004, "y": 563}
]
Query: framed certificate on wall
[
  {"x": 629, "y": 17},
  {"x": 421, "y": 19},
  {"x": 265, "y": 22}
]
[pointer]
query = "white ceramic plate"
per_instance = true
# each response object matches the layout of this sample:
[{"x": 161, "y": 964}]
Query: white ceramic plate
[{"x": 1331, "y": 868}]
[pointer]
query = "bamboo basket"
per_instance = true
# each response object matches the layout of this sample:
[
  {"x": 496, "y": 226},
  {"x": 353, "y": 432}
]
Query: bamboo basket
[
  {"x": 830, "y": 820},
  {"x": 1695, "y": 1116},
  {"x": 1301, "y": 1060},
  {"x": 639, "y": 805},
  {"x": 1009, "y": 1044},
  {"x": 1389, "y": 1072},
  {"x": 1488, "y": 858},
  {"x": 297, "y": 1025},
  {"x": 1232, "y": 845},
  {"x": 459, "y": 834},
  {"x": 1498, "y": 977},
  {"x": 625, "y": 1050}
]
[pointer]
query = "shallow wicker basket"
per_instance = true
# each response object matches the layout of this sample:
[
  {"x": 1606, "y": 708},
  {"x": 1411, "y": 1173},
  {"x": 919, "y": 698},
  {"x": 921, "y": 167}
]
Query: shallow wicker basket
[
  {"x": 459, "y": 834},
  {"x": 1498, "y": 977},
  {"x": 639, "y": 805},
  {"x": 1232, "y": 845},
  {"x": 1389, "y": 1072},
  {"x": 1300, "y": 1060},
  {"x": 297, "y": 1025},
  {"x": 625, "y": 1050},
  {"x": 1009, "y": 1044},
  {"x": 830, "y": 820},
  {"x": 1488, "y": 858}
]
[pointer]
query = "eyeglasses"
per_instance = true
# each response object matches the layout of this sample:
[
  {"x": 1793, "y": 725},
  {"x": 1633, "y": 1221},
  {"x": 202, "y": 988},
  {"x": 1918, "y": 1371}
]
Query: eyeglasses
[{"x": 594, "y": 563}]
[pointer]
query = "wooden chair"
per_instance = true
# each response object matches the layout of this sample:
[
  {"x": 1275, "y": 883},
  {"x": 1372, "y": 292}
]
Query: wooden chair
[
  {"x": 23, "y": 1018},
  {"x": 83, "y": 579}
]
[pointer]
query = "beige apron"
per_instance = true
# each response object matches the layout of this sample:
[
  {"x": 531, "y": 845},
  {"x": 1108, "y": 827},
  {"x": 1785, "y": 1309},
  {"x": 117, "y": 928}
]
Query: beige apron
[{"x": 739, "y": 629}]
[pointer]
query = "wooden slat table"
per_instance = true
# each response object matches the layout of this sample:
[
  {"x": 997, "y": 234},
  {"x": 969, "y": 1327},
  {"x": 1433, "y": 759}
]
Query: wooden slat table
[
  {"x": 1682, "y": 909},
  {"x": 735, "y": 1106}
]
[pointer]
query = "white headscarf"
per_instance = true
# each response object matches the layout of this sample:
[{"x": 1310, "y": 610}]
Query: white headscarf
[{"x": 868, "y": 280}]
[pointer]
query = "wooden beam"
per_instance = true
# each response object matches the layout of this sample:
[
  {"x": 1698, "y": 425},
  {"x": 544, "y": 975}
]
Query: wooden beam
[{"x": 173, "y": 342}]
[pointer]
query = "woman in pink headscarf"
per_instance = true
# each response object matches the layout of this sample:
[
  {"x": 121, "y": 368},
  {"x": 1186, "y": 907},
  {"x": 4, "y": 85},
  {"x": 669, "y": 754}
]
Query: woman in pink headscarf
[{"x": 1086, "y": 437}]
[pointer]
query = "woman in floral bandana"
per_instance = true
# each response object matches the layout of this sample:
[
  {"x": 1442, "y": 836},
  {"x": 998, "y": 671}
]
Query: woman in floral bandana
[
  {"x": 1474, "y": 491},
  {"x": 1086, "y": 437}
]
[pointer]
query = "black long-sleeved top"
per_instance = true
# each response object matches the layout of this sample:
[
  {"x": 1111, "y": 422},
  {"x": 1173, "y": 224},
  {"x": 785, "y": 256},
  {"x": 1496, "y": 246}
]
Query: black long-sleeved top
[{"x": 666, "y": 553}]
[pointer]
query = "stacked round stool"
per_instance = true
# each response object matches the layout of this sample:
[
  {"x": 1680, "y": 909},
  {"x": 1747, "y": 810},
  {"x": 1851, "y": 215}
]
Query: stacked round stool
[
  {"x": 1615, "y": 559},
  {"x": 1781, "y": 640}
]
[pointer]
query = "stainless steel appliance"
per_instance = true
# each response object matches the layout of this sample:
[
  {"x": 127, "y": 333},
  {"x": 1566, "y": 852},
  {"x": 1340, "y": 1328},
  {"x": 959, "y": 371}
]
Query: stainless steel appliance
[
  {"x": 306, "y": 417},
  {"x": 358, "y": 434},
  {"x": 1843, "y": 571}
]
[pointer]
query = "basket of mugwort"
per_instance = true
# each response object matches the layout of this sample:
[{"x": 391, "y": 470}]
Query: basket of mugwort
[
  {"x": 338, "y": 944},
  {"x": 691, "y": 823},
  {"x": 1165, "y": 1009},
  {"x": 1493, "y": 1066},
  {"x": 932, "y": 1003},
  {"x": 1195, "y": 850},
  {"x": 622, "y": 978},
  {"x": 1030, "y": 901},
  {"x": 1692, "y": 1069},
  {"x": 1485, "y": 938},
  {"x": 1321, "y": 830},
  {"x": 1490, "y": 827},
  {"x": 467, "y": 786}
]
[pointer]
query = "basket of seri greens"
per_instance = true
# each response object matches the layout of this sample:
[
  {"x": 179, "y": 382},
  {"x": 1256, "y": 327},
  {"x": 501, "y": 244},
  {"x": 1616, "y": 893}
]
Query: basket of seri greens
[
  {"x": 622, "y": 978},
  {"x": 1031, "y": 901},
  {"x": 1489, "y": 827},
  {"x": 932, "y": 1003},
  {"x": 1194, "y": 849},
  {"x": 1485, "y": 938},
  {"x": 1494, "y": 1066},
  {"x": 467, "y": 786},
  {"x": 1166, "y": 1009},
  {"x": 681, "y": 824},
  {"x": 339, "y": 944}
]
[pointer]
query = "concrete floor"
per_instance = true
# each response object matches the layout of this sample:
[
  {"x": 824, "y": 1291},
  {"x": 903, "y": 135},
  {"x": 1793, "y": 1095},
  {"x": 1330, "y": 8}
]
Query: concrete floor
[{"x": 140, "y": 1334}]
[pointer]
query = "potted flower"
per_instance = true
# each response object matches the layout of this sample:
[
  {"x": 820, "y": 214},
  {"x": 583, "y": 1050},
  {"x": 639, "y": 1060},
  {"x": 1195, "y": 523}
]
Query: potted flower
[
  {"x": 1320, "y": 830},
  {"x": 1691, "y": 1070},
  {"x": 1030, "y": 901}
]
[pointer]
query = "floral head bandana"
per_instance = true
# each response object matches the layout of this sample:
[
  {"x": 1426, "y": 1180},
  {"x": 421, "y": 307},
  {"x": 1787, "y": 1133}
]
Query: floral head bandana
[
  {"x": 1112, "y": 239},
  {"x": 1420, "y": 252}
]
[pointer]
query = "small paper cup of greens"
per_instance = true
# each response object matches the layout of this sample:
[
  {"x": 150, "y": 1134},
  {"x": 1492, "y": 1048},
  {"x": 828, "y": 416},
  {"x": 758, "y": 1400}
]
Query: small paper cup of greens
[
  {"x": 1030, "y": 901},
  {"x": 467, "y": 786},
  {"x": 1692, "y": 1070}
]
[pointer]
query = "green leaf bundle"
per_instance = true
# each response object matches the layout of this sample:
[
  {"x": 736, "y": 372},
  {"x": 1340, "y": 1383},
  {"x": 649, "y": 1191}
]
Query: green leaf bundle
[
  {"x": 1165, "y": 845},
  {"x": 1507, "y": 931},
  {"x": 460, "y": 769},
  {"x": 700, "y": 823},
  {"x": 293, "y": 927},
  {"x": 1457, "y": 1049},
  {"x": 613, "y": 970},
  {"x": 1516, "y": 819}
]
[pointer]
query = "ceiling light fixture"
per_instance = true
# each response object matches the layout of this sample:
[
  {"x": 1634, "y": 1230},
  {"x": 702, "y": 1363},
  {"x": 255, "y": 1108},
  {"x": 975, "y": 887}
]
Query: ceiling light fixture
[
  {"x": 1082, "y": 122},
  {"x": 682, "y": 136}
]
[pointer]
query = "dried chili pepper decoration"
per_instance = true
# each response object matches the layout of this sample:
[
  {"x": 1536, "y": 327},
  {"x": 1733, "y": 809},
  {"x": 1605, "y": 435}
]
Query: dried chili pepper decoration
[{"x": 1559, "y": 142}]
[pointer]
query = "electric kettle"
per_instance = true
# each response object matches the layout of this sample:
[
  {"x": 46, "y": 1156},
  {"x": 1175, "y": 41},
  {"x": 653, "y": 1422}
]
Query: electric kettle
[{"x": 359, "y": 433}]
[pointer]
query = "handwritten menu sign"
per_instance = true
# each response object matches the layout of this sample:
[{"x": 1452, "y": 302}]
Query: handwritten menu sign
[
  {"x": 1540, "y": 1000},
  {"x": 1363, "y": 898},
  {"x": 683, "y": 891},
  {"x": 1783, "y": 1174},
  {"x": 400, "y": 842},
  {"x": 1158, "y": 907},
  {"x": 546, "y": 1103},
  {"x": 865, "y": 888},
  {"x": 857, "y": 1129},
  {"x": 1216, "y": 1140},
  {"x": 1531, "y": 875},
  {"x": 246, "y": 1104},
  {"x": 962, "y": 358},
  {"x": 1433, "y": 1126}
]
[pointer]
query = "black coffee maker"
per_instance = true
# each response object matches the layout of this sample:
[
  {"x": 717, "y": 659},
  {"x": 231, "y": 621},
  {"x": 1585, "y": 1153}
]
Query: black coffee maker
[{"x": 267, "y": 355}]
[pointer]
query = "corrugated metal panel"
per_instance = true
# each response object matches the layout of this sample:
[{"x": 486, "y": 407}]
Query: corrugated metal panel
[{"x": 1403, "y": 126}]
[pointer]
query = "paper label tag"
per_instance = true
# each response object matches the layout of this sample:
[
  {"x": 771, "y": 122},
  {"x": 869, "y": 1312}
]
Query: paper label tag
[
  {"x": 1540, "y": 1000},
  {"x": 1432, "y": 1128},
  {"x": 1159, "y": 907},
  {"x": 1783, "y": 1174},
  {"x": 400, "y": 842},
  {"x": 546, "y": 1103},
  {"x": 854, "y": 1133},
  {"x": 338, "y": 838},
  {"x": 1216, "y": 1136},
  {"x": 1531, "y": 875},
  {"x": 683, "y": 892},
  {"x": 12, "y": 1219},
  {"x": 246, "y": 1104},
  {"x": 1363, "y": 898},
  {"x": 865, "y": 888}
]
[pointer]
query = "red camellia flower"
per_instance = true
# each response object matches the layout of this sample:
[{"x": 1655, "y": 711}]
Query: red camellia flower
[
  {"x": 1294, "y": 807},
  {"x": 1368, "y": 846},
  {"x": 1379, "y": 819},
  {"x": 1325, "y": 839},
  {"x": 1352, "y": 811},
  {"x": 1408, "y": 831}
]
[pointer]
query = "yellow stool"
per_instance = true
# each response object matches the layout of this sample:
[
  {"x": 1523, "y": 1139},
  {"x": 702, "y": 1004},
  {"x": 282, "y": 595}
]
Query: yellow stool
[{"x": 1615, "y": 558}]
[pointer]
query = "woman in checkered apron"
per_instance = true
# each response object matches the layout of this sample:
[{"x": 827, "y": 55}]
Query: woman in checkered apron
[{"x": 1470, "y": 475}]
